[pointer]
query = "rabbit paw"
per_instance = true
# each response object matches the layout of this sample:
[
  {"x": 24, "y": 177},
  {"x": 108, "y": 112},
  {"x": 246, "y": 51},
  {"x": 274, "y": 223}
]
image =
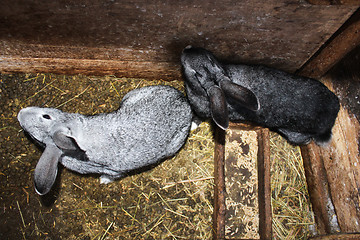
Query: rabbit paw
[
  {"x": 105, "y": 179},
  {"x": 195, "y": 123}
]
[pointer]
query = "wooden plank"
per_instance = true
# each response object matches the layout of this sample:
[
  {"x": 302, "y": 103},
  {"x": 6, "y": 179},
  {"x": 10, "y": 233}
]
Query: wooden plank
[
  {"x": 341, "y": 158},
  {"x": 264, "y": 167},
  {"x": 353, "y": 236},
  {"x": 335, "y": 2},
  {"x": 241, "y": 184},
  {"x": 318, "y": 188},
  {"x": 341, "y": 161},
  {"x": 282, "y": 34},
  {"x": 341, "y": 43},
  {"x": 219, "y": 190},
  {"x": 131, "y": 69},
  {"x": 333, "y": 177},
  {"x": 245, "y": 189}
]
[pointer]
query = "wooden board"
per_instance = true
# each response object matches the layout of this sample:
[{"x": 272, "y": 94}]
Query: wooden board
[
  {"x": 145, "y": 38},
  {"x": 241, "y": 185},
  {"x": 243, "y": 195},
  {"x": 335, "y": 2},
  {"x": 353, "y": 236},
  {"x": 335, "y": 49}
]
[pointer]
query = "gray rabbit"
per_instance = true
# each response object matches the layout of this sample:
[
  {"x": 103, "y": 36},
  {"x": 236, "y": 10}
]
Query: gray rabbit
[
  {"x": 151, "y": 124},
  {"x": 299, "y": 108}
]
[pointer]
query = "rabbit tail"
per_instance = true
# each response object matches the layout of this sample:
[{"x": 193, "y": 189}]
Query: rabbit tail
[{"x": 323, "y": 139}]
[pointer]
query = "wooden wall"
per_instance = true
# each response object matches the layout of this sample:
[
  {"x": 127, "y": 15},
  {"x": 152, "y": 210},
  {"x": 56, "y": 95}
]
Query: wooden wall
[{"x": 144, "y": 38}]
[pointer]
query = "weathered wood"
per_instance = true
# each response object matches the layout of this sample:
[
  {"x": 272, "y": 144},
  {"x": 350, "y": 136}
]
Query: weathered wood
[
  {"x": 335, "y": 2},
  {"x": 319, "y": 190},
  {"x": 341, "y": 161},
  {"x": 341, "y": 158},
  {"x": 332, "y": 171},
  {"x": 345, "y": 40},
  {"x": 247, "y": 192},
  {"x": 354, "y": 236},
  {"x": 219, "y": 190},
  {"x": 133, "y": 69},
  {"x": 241, "y": 185},
  {"x": 145, "y": 38},
  {"x": 263, "y": 158},
  {"x": 345, "y": 78}
]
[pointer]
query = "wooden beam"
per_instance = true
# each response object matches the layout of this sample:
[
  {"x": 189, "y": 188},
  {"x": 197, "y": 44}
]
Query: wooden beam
[
  {"x": 219, "y": 190},
  {"x": 351, "y": 236},
  {"x": 130, "y": 69},
  {"x": 335, "y": 2},
  {"x": 341, "y": 43},
  {"x": 342, "y": 165},
  {"x": 264, "y": 167},
  {"x": 243, "y": 143},
  {"x": 319, "y": 190}
]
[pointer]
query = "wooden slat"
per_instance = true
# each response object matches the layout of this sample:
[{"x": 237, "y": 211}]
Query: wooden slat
[
  {"x": 264, "y": 167},
  {"x": 342, "y": 42},
  {"x": 335, "y": 2},
  {"x": 131, "y": 69},
  {"x": 319, "y": 190},
  {"x": 241, "y": 184},
  {"x": 219, "y": 190},
  {"x": 353, "y": 236},
  {"x": 224, "y": 169}
]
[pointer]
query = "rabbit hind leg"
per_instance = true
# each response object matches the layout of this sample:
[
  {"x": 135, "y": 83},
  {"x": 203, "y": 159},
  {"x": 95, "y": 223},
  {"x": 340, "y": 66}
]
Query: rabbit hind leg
[
  {"x": 295, "y": 138},
  {"x": 105, "y": 178}
]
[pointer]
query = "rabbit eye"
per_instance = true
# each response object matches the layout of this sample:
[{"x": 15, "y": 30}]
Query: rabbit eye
[{"x": 46, "y": 116}]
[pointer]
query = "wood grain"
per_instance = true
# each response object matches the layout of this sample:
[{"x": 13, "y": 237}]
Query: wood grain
[{"x": 283, "y": 34}]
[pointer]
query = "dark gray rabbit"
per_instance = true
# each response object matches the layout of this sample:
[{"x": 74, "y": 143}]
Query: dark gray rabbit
[
  {"x": 151, "y": 124},
  {"x": 299, "y": 108}
]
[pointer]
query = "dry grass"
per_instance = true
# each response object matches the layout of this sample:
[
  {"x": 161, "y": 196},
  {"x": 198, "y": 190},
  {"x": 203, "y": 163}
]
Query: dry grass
[{"x": 292, "y": 215}]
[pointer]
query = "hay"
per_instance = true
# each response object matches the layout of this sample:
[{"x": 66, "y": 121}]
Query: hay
[{"x": 291, "y": 209}]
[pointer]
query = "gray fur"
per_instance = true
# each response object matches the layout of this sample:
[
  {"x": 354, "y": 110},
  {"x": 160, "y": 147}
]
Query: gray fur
[
  {"x": 151, "y": 124},
  {"x": 299, "y": 108}
]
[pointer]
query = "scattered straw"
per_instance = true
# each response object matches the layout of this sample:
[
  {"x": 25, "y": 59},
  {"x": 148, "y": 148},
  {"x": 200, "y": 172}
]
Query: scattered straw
[
  {"x": 21, "y": 215},
  {"x": 71, "y": 99},
  {"x": 290, "y": 203},
  {"x": 107, "y": 230}
]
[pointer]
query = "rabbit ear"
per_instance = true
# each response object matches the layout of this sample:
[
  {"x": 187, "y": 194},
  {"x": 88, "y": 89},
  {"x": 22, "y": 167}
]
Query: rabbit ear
[
  {"x": 64, "y": 141},
  {"x": 218, "y": 107},
  {"x": 240, "y": 94},
  {"x": 46, "y": 169}
]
